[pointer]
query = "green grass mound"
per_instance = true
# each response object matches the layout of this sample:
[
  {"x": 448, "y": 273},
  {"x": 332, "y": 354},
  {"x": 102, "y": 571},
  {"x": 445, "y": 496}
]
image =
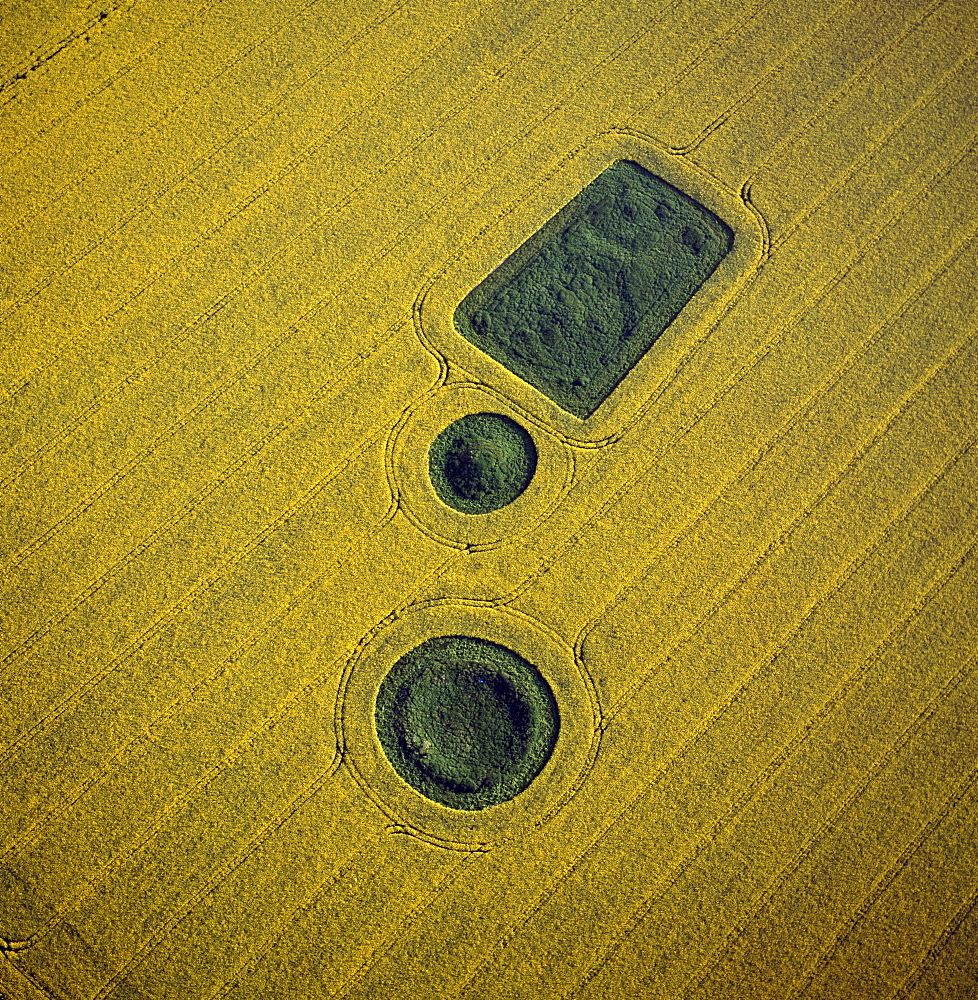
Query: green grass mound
[
  {"x": 466, "y": 722},
  {"x": 481, "y": 462},
  {"x": 576, "y": 307}
]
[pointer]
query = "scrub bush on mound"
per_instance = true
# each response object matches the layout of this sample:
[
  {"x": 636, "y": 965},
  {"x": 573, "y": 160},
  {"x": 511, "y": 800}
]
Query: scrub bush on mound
[
  {"x": 466, "y": 722},
  {"x": 481, "y": 462},
  {"x": 576, "y": 307}
]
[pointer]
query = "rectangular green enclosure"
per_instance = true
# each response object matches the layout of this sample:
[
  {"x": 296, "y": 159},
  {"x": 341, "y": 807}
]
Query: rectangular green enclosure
[{"x": 575, "y": 307}]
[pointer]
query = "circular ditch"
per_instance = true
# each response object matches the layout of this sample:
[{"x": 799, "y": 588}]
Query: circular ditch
[
  {"x": 466, "y": 722},
  {"x": 481, "y": 462}
]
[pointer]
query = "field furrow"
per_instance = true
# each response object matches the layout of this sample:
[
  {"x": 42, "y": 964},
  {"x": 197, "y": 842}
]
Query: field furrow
[
  {"x": 361, "y": 916},
  {"x": 132, "y": 519},
  {"x": 855, "y": 788},
  {"x": 491, "y": 74},
  {"x": 644, "y": 768},
  {"x": 915, "y": 903},
  {"x": 213, "y": 337},
  {"x": 122, "y": 44},
  {"x": 950, "y": 968},
  {"x": 868, "y": 177},
  {"x": 887, "y": 368},
  {"x": 269, "y": 300},
  {"x": 862, "y": 116},
  {"x": 217, "y": 187},
  {"x": 709, "y": 773},
  {"x": 303, "y": 520},
  {"x": 197, "y": 547}
]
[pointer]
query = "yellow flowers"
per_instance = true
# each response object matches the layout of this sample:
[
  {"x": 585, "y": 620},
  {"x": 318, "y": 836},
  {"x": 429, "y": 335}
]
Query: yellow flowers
[{"x": 234, "y": 242}]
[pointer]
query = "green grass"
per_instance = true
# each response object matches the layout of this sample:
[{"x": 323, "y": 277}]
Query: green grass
[
  {"x": 481, "y": 462},
  {"x": 466, "y": 722},
  {"x": 577, "y": 305}
]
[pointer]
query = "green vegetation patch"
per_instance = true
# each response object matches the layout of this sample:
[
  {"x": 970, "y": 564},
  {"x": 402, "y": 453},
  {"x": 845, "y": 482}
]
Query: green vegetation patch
[
  {"x": 466, "y": 722},
  {"x": 576, "y": 307},
  {"x": 481, "y": 462}
]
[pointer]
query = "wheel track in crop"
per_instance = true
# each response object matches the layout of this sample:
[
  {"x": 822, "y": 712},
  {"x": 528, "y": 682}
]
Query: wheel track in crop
[
  {"x": 748, "y": 95},
  {"x": 281, "y": 174},
  {"x": 882, "y": 884},
  {"x": 418, "y": 906},
  {"x": 150, "y": 52},
  {"x": 929, "y": 485},
  {"x": 37, "y": 60},
  {"x": 769, "y": 447},
  {"x": 829, "y": 826},
  {"x": 963, "y": 67},
  {"x": 169, "y": 112},
  {"x": 695, "y": 737},
  {"x": 617, "y": 498},
  {"x": 784, "y": 756},
  {"x": 631, "y": 40},
  {"x": 251, "y": 198},
  {"x": 175, "y": 919},
  {"x": 224, "y": 476},
  {"x": 206, "y": 582},
  {"x": 222, "y": 388},
  {"x": 187, "y": 330},
  {"x": 216, "y": 878},
  {"x": 122, "y": 757},
  {"x": 199, "y": 790},
  {"x": 826, "y": 107},
  {"x": 961, "y": 917},
  {"x": 823, "y": 291}
]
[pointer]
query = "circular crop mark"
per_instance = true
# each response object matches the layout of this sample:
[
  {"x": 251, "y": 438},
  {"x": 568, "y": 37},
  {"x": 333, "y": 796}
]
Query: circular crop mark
[
  {"x": 466, "y": 722},
  {"x": 481, "y": 462}
]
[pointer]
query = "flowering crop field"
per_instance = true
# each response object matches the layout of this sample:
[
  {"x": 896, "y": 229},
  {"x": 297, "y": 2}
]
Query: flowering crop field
[{"x": 235, "y": 237}]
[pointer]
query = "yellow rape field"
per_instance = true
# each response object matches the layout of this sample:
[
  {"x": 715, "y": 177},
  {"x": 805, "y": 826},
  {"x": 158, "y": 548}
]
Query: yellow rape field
[{"x": 234, "y": 235}]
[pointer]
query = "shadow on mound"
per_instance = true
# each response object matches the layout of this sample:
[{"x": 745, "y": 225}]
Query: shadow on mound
[
  {"x": 466, "y": 722},
  {"x": 481, "y": 462},
  {"x": 574, "y": 308}
]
